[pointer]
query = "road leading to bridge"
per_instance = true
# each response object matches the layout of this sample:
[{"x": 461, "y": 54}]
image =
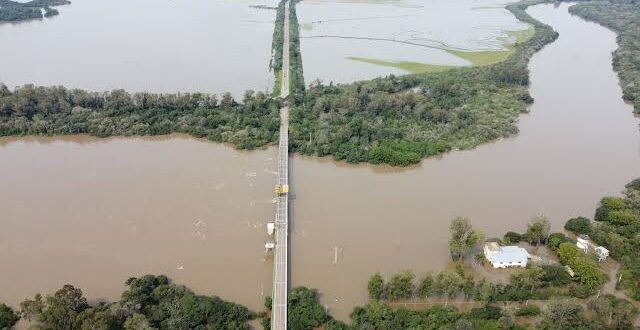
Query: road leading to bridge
[{"x": 281, "y": 264}]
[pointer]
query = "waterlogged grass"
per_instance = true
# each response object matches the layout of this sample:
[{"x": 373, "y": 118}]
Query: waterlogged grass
[
  {"x": 412, "y": 67},
  {"x": 486, "y": 57},
  {"x": 476, "y": 58}
]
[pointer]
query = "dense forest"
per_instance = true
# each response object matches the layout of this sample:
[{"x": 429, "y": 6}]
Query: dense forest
[
  {"x": 277, "y": 43},
  {"x": 149, "y": 302},
  {"x": 623, "y": 17},
  {"x": 296, "y": 82},
  {"x": 400, "y": 120},
  {"x": 13, "y": 11},
  {"x": 30, "y": 110},
  {"x": 618, "y": 228}
]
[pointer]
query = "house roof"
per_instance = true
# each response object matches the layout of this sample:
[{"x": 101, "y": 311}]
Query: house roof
[
  {"x": 510, "y": 254},
  {"x": 602, "y": 249},
  {"x": 492, "y": 246}
]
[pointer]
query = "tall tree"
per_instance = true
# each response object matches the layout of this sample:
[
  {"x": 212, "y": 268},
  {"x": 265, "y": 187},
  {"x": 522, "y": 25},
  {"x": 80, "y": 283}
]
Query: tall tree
[
  {"x": 613, "y": 313},
  {"x": 400, "y": 285},
  {"x": 563, "y": 315},
  {"x": 538, "y": 230},
  {"x": 59, "y": 311},
  {"x": 463, "y": 238},
  {"x": 376, "y": 286},
  {"x": 7, "y": 317}
]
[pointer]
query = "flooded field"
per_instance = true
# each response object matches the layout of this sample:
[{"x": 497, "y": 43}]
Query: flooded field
[
  {"x": 93, "y": 212},
  {"x": 334, "y": 32},
  {"x": 144, "y": 45}
]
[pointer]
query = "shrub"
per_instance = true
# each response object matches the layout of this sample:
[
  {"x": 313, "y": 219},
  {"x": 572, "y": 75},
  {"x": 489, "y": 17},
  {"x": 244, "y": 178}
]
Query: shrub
[
  {"x": 579, "y": 225},
  {"x": 305, "y": 312},
  {"x": 268, "y": 302},
  {"x": 555, "y": 275},
  {"x": 487, "y": 312},
  {"x": 608, "y": 204},
  {"x": 528, "y": 310},
  {"x": 512, "y": 237},
  {"x": 7, "y": 317},
  {"x": 555, "y": 239},
  {"x": 580, "y": 291}
]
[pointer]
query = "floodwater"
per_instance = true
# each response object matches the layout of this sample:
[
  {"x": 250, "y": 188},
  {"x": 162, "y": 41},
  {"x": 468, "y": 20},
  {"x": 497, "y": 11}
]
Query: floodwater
[
  {"x": 332, "y": 31},
  {"x": 94, "y": 212},
  {"x": 579, "y": 143},
  {"x": 212, "y": 46}
]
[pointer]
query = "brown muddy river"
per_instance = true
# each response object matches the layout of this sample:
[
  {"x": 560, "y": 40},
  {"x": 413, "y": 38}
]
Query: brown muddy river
[{"x": 94, "y": 212}]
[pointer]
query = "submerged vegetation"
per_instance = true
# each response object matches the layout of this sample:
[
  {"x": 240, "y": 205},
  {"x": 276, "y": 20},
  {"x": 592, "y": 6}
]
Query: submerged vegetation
[
  {"x": 623, "y": 17},
  {"x": 412, "y": 67},
  {"x": 33, "y": 110},
  {"x": 486, "y": 57},
  {"x": 475, "y": 57},
  {"x": 400, "y": 120},
  {"x": 13, "y": 11}
]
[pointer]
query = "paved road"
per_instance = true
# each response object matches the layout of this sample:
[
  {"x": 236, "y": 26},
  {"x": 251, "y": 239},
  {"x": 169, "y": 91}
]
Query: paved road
[{"x": 280, "y": 269}]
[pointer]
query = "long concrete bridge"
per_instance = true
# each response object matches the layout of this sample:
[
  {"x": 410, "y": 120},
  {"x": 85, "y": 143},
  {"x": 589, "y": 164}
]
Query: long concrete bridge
[{"x": 281, "y": 253}]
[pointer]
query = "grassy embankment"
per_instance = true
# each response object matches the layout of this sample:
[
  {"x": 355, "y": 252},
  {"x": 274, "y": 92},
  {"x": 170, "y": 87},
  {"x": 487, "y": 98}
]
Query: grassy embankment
[{"x": 484, "y": 57}]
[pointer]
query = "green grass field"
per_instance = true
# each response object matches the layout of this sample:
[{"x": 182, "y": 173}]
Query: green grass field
[{"x": 412, "y": 67}]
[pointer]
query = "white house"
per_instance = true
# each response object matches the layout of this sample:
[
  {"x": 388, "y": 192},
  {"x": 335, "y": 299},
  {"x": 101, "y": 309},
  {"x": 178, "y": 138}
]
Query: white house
[{"x": 505, "y": 256}]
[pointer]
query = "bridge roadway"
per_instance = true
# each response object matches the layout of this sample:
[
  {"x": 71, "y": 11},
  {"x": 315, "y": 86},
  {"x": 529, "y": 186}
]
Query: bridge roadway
[{"x": 281, "y": 266}]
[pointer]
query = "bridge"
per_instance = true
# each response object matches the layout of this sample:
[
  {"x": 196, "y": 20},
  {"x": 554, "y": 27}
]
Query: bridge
[{"x": 281, "y": 253}]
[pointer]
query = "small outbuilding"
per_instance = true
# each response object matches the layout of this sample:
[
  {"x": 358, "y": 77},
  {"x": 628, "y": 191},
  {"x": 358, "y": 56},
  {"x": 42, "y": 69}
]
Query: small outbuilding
[
  {"x": 602, "y": 253},
  {"x": 505, "y": 256},
  {"x": 583, "y": 243}
]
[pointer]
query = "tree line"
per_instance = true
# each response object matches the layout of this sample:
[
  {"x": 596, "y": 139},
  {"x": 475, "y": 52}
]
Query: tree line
[
  {"x": 602, "y": 312},
  {"x": 31, "y": 110},
  {"x": 13, "y": 11},
  {"x": 149, "y": 302}
]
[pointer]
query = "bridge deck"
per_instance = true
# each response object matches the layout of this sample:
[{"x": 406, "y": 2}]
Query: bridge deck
[{"x": 281, "y": 267}]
